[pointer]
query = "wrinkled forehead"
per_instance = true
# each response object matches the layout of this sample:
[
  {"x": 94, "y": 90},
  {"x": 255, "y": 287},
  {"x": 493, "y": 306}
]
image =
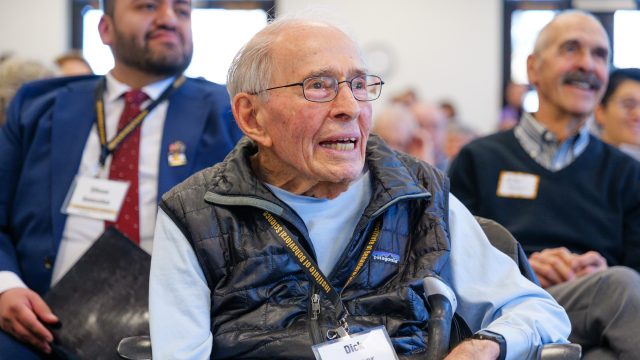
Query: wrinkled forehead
[
  {"x": 315, "y": 50},
  {"x": 578, "y": 27}
]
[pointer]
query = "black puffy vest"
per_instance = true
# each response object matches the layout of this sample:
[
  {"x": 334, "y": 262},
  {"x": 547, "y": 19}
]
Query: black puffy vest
[{"x": 260, "y": 296}]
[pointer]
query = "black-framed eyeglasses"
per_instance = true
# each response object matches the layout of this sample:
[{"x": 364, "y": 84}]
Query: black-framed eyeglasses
[{"x": 325, "y": 88}]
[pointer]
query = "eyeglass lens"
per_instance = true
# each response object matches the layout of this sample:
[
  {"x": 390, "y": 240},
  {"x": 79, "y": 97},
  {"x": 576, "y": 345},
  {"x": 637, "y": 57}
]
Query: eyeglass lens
[{"x": 323, "y": 88}]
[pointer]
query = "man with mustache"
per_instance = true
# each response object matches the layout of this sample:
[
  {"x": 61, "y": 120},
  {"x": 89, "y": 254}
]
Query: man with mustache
[
  {"x": 60, "y": 130},
  {"x": 570, "y": 199}
]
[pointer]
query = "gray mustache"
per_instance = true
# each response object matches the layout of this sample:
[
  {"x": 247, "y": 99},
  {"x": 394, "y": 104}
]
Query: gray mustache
[{"x": 578, "y": 76}]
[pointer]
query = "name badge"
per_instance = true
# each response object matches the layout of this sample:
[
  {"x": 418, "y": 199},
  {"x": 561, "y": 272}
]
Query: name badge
[
  {"x": 95, "y": 198},
  {"x": 373, "y": 344},
  {"x": 518, "y": 185}
]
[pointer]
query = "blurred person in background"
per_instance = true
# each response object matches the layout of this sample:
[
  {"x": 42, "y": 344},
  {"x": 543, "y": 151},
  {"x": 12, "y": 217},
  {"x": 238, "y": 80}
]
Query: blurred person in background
[
  {"x": 407, "y": 97},
  {"x": 397, "y": 126},
  {"x": 512, "y": 111},
  {"x": 14, "y": 72},
  {"x": 432, "y": 119},
  {"x": 449, "y": 110},
  {"x": 72, "y": 63},
  {"x": 458, "y": 136},
  {"x": 618, "y": 114}
]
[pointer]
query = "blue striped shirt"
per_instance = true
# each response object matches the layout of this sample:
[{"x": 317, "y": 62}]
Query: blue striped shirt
[{"x": 543, "y": 145}]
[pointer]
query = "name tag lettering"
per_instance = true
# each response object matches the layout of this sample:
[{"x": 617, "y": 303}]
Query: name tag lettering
[{"x": 373, "y": 344}]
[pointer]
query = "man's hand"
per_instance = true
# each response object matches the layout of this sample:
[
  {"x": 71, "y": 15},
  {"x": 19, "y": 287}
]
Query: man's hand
[
  {"x": 476, "y": 350},
  {"x": 21, "y": 313},
  {"x": 589, "y": 263},
  {"x": 557, "y": 265},
  {"x": 553, "y": 266}
]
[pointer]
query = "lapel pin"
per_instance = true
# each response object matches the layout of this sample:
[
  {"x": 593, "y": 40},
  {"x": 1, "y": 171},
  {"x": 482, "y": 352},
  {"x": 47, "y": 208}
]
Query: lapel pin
[{"x": 177, "y": 156}]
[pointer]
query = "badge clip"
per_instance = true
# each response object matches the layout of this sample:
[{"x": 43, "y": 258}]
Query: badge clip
[{"x": 342, "y": 331}]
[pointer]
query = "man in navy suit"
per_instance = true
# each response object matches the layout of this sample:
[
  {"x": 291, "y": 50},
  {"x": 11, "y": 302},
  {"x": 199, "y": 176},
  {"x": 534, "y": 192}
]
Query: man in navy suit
[{"x": 55, "y": 135}]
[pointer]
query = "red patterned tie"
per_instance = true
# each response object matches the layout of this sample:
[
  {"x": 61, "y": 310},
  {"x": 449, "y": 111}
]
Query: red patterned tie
[{"x": 124, "y": 166}]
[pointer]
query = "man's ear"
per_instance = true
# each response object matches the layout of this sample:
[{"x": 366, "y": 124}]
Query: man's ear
[
  {"x": 531, "y": 69},
  {"x": 249, "y": 113},
  {"x": 105, "y": 28},
  {"x": 599, "y": 115}
]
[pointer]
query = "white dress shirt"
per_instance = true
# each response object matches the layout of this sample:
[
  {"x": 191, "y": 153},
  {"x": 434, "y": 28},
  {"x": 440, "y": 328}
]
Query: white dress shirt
[{"x": 81, "y": 232}]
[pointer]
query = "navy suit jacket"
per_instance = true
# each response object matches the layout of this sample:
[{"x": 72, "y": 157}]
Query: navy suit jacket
[{"x": 41, "y": 147}]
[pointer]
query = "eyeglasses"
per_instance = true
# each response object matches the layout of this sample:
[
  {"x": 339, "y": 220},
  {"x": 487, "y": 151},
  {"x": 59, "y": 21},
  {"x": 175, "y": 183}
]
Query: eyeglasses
[
  {"x": 628, "y": 105},
  {"x": 325, "y": 88}
]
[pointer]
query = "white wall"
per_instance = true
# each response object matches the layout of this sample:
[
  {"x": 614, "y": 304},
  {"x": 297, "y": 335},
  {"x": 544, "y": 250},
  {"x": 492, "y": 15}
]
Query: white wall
[
  {"x": 37, "y": 29},
  {"x": 442, "y": 48}
]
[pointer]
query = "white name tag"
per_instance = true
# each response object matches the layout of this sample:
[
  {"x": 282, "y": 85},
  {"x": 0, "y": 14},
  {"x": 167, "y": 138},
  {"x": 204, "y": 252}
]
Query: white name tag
[
  {"x": 95, "y": 198},
  {"x": 372, "y": 344},
  {"x": 518, "y": 185}
]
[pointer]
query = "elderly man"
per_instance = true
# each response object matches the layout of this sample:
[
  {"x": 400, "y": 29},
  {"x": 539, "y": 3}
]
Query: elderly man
[
  {"x": 397, "y": 126},
  {"x": 570, "y": 199},
  {"x": 310, "y": 225},
  {"x": 143, "y": 124},
  {"x": 618, "y": 114}
]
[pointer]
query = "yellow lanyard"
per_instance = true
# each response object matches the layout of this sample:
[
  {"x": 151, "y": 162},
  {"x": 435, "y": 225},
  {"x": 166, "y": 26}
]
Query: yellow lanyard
[{"x": 108, "y": 147}]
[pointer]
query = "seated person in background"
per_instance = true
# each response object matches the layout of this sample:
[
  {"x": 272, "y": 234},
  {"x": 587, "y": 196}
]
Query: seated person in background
[
  {"x": 618, "y": 114},
  {"x": 14, "y": 72},
  {"x": 52, "y": 137},
  {"x": 310, "y": 225},
  {"x": 458, "y": 136},
  {"x": 570, "y": 199},
  {"x": 433, "y": 120},
  {"x": 512, "y": 111},
  {"x": 73, "y": 63},
  {"x": 449, "y": 110},
  {"x": 399, "y": 129},
  {"x": 407, "y": 97}
]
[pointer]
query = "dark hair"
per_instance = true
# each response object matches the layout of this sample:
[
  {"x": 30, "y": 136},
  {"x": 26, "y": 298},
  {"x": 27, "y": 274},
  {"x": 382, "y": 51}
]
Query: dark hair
[
  {"x": 107, "y": 7},
  {"x": 617, "y": 77}
]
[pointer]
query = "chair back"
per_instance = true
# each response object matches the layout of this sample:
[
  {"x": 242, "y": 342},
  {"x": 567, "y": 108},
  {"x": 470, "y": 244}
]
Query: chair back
[{"x": 502, "y": 239}]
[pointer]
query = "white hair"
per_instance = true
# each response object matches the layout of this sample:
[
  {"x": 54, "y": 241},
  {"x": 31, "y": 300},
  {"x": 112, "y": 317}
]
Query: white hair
[{"x": 252, "y": 67}]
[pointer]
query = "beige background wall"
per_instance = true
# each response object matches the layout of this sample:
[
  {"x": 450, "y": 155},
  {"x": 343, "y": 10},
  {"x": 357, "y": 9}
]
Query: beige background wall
[{"x": 442, "y": 48}]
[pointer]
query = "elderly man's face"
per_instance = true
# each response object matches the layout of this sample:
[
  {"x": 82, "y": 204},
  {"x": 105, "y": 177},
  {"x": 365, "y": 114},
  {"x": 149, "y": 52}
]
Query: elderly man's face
[
  {"x": 316, "y": 141},
  {"x": 571, "y": 71}
]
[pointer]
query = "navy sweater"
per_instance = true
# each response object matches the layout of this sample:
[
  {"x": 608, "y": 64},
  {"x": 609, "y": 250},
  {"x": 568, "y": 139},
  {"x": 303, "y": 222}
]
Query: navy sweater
[{"x": 592, "y": 204}]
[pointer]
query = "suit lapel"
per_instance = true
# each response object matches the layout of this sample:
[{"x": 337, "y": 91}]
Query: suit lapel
[
  {"x": 72, "y": 119},
  {"x": 185, "y": 122}
]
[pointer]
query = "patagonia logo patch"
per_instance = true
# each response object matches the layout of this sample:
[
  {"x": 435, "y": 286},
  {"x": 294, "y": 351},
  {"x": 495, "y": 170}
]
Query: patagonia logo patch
[{"x": 385, "y": 257}]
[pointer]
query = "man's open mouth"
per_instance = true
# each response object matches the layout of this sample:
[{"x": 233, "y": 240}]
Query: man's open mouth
[{"x": 346, "y": 144}]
